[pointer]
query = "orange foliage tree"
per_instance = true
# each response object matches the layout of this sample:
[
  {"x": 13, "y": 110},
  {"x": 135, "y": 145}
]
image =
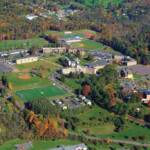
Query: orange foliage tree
[
  {"x": 107, "y": 140},
  {"x": 10, "y": 86},
  {"x": 86, "y": 90}
]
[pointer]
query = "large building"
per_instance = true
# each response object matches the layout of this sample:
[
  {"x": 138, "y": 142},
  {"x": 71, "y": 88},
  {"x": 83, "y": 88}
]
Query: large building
[
  {"x": 26, "y": 59},
  {"x": 54, "y": 50},
  {"x": 126, "y": 60},
  {"x": 78, "y": 69},
  {"x": 98, "y": 65},
  {"x": 75, "y": 50},
  {"x": 71, "y": 62},
  {"x": 81, "y": 146},
  {"x": 13, "y": 53},
  {"x": 126, "y": 73},
  {"x": 72, "y": 40},
  {"x": 89, "y": 69}
]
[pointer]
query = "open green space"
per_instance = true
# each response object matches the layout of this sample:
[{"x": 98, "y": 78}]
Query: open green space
[
  {"x": 103, "y": 129},
  {"x": 92, "y": 45},
  {"x": 78, "y": 31},
  {"x": 38, "y": 145},
  {"x": 65, "y": 36},
  {"x": 46, "y": 91},
  {"x": 21, "y": 44},
  {"x": 19, "y": 84}
]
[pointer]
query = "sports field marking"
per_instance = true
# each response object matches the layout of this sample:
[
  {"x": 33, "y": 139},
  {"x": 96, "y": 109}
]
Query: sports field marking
[
  {"x": 80, "y": 45},
  {"x": 26, "y": 76},
  {"x": 46, "y": 91}
]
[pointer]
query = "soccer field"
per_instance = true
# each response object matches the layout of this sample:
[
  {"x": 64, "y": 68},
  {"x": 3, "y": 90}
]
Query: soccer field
[
  {"x": 46, "y": 91},
  {"x": 65, "y": 36}
]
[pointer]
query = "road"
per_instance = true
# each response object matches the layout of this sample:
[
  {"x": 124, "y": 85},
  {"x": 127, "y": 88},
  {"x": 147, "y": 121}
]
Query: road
[
  {"x": 113, "y": 141},
  {"x": 137, "y": 120},
  {"x": 53, "y": 78}
]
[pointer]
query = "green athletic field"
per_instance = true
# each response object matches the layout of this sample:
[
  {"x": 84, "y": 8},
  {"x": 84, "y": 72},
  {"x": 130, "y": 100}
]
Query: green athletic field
[
  {"x": 64, "y": 36},
  {"x": 92, "y": 45},
  {"x": 46, "y": 91}
]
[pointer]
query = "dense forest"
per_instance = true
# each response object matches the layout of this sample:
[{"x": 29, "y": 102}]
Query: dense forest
[{"x": 125, "y": 26}]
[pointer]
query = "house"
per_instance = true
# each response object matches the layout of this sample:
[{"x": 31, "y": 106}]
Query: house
[
  {"x": 87, "y": 102},
  {"x": 26, "y": 59},
  {"x": 71, "y": 62},
  {"x": 63, "y": 106},
  {"x": 57, "y": 101},
  {"x": 146, "y": 95},
  {"x": 126, "y": 73},
  {"x": 82, "y": 97},
  {"x": 81, "y": 146},
  {"x": 24, "y": 146}
]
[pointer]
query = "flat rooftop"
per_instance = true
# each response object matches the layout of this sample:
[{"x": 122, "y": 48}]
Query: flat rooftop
[{"x": 98, "y": 64}]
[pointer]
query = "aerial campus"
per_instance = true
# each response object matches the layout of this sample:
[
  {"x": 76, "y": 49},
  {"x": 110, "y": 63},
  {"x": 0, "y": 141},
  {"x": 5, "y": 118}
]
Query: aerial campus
[{"x": 75, "y": 75}]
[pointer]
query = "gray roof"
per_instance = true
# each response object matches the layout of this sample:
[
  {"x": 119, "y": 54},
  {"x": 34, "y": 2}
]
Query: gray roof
[
  {"x": 98, "y": 64},
  {"x": 70, "y": 147},
  {"x": 146, "y": 91},
  {"x": 70, "y": 59},
  {"x": 25, "y": 57}
]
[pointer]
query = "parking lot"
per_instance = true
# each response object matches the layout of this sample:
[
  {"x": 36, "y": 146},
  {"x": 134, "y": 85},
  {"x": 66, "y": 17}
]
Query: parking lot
[
  {"x": 68, "y": 102},
  {"x": 5, "y": 67},
  {"x": 140, "y": 69}
]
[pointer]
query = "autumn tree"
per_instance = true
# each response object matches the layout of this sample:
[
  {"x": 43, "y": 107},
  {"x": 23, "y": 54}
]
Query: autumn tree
[
  {"x": 107, "y": 140},
  {"x": 111, "y": 92},
  {"x": 87, "y": 131},
  {"x": 86, "y": 90},
  {"x": 65, "y": 132},
  {"x": 9, "y": 86},
  {"x": 42, "y": 74}
]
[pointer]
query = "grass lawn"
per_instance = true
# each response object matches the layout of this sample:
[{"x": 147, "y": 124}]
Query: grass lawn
[
  {"x": 38, "y": 145},
  {"x": 64, "y": 36},
  {"x": 46, "y": 91},
  {"x": 92, "y": 113},
  {"x": 72, "y": 84},
  {"x": 78, "y": 31},
  {"x": 25, "y": 44},
  {"x": 44, "y": 145},
  {"x": 20, "y": 84},
  {"x": 47, "y": 63},
  {"x": 137, "y": 77},
  {"x": 103, "y": 129},
  {"x": 88, "y": 45}
]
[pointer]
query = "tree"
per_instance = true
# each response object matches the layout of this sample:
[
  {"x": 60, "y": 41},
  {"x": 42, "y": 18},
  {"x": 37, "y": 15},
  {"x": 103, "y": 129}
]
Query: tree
[
  {"x": 5, "y": 80},
  {"x": 63, "y": 78},
  {"x": 107, "y": 140},
  {"x": 148, "y": 104},
  {"x": 90, "y": 57},
  {"x": 42, "y": 74},
  {"x": 112, "y": 101},
  {"x": 111, "y": 92},
  {"x": 143, "y": 137},
  {"x": 87, "y": 131},
  {"x": 65, "y": 132},
  {"x": 86, "y": 90},
  {"x": 136, "y": 138},
  {"x": 10, "y": 86}
]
